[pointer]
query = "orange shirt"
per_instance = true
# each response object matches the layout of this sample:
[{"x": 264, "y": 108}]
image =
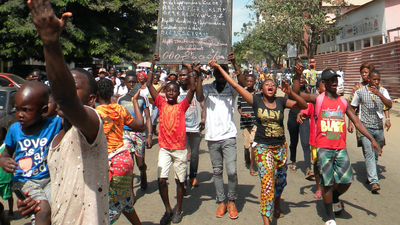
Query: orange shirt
[{"x": 114, "y": 118}]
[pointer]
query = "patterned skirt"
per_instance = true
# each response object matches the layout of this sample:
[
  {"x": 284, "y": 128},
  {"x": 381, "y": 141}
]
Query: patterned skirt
[
  {"x": 272, "y": 169},
  {"x": 120, "y": 199}
]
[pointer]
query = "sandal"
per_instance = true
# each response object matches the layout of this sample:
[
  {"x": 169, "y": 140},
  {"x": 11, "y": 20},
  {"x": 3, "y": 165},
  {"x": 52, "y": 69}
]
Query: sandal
[
  {"x": 253, "y": 173},
  {"x": 309, "y": 174},
  {"x": 278, "y": 215},
  {"x": 318, "y": 194},
  {"x": 166, "y": 218},
  {"x": 293, "y": 168},
  {"x": 177, "y": 218}
]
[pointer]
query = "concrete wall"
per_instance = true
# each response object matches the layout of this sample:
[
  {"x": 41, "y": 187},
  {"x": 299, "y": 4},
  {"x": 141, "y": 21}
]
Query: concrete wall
[{"x": 358, "y": 16}]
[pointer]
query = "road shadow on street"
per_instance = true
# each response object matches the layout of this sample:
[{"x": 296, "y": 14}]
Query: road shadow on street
[
  {"x": 147, "y": 223},
  {"x": 319, "y": 205},
  {"x": 151, "y": 188},
  {"x": 195, "y": 197},
  {"x": 361, "y": 174}
]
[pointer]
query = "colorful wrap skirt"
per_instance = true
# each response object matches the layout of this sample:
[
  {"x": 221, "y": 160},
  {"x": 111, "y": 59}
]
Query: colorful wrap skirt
[
  {"x": 272, "y": 169},
  {"x": 120, "y": 199}
]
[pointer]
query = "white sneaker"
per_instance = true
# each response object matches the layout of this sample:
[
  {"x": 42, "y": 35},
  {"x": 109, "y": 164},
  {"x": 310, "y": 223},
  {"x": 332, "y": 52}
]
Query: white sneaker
[
  {"x": 330, "y": 222},
  {"x": 337, "y": 208}
]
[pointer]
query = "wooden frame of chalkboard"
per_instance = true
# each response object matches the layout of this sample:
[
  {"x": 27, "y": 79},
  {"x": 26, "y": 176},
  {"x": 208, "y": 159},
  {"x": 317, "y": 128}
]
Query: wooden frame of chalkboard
[{"x": 194, "y": 30}]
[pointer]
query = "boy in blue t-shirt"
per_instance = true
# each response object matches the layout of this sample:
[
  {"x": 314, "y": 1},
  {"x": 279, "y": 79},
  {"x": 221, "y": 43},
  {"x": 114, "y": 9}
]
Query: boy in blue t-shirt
[{"x": 29, "y": 141}]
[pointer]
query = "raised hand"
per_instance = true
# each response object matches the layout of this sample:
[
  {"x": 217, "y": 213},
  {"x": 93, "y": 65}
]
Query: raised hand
[
  {"x": 154, "y": 59},
  {"x": 231, "y": 56},
  {"x": 196, "y": 67},
  {"x": 285, "y": 87},
  {"x": 213, "y": 64},
  {"x": 187, "y": 65},
  {"x": 299, "y": 68},
  {"x": 47, "y": 24}
]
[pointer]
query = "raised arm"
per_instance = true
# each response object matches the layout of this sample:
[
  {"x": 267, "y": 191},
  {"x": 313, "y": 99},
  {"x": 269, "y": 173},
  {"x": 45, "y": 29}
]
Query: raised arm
[
  {"x": 191, "y": 73},
  {"x": 357, "y": 123},
  {"x": 299, "y": 68},
  {"x": 238, "y": 72},
  {"x": 152, "y": 90},
  {"x": 62, "y": 83},
  {"x": 243, "y": 92},
  {"x": 297, "y": 102},
  {"x": 199, "y": 85}
]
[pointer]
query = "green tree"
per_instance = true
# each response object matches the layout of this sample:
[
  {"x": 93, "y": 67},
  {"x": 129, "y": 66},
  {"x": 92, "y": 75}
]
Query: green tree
[
  {"x": 260, "y": 41},
  {"x": 110, "y": 30},
  {"x": 298, "y": 21}
]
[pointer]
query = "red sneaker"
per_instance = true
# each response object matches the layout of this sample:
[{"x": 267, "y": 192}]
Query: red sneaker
[
  {"x": 221, "y": 210},
  {"x": 233, "y": 213}
]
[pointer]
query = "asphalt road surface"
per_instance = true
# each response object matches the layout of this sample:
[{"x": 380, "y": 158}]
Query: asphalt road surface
[{"x": 298, "y": 204}]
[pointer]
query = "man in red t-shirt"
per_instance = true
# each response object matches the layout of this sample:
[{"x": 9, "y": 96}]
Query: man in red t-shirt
[
  {"x": 172, "y": 140},
  {"x": 332, "y": 158}
]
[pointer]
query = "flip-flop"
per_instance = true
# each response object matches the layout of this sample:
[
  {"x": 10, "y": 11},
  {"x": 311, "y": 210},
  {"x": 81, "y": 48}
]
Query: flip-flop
[
  {"x": 254, "y": 173},
  {"x": 278, "y": 215},
  {"x": 318, "y": 194},
  {"x": 309, "y": 174}
]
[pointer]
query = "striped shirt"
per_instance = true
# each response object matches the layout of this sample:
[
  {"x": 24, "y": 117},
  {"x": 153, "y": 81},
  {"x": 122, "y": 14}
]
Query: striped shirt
[{"x": 246, "y": 108}]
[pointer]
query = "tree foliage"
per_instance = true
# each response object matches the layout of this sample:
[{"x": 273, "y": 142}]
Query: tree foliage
[
  {"x": 112, "y": 30},
  {"x": 282, "y": 22}
]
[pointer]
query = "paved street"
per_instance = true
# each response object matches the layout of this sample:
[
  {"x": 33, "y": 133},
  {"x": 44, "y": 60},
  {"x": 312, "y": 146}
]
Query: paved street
[{"x": 298, "y": 204}]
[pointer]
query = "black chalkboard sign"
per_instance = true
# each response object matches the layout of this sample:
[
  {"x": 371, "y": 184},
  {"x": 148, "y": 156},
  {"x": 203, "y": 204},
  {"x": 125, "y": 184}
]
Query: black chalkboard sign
[{"x": 194, "y": 30}]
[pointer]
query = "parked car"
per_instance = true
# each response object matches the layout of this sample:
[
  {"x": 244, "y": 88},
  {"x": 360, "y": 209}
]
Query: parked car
[
  {"x": 11, "y": 80},
  {"x": 7, "y": 109},
  {"x": 24, "y": 70}
]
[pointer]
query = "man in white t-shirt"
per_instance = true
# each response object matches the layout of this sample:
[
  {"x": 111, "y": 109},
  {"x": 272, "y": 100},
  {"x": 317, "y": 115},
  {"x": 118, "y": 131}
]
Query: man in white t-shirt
[{"x": 220, "y": 98}]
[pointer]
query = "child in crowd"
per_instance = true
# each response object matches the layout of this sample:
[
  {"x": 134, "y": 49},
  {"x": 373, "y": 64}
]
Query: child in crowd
[
  {"x": 114, "y": 118},
  {"x": 302, "y": 116},
  {"x": 332, "y": 157},
  {"x": 172, "y": 77},
  {"x": 172, "y": 140},
  {"x": 271, "y": 146},
  {"x": 247, "y": 123},
  {"x": 137, "y": 142},
  {"x": 372, "y": 99},
  {"x": 28, "y": 141}
]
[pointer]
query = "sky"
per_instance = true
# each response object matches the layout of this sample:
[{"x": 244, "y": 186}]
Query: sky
[{"x": 240, "y": 16}]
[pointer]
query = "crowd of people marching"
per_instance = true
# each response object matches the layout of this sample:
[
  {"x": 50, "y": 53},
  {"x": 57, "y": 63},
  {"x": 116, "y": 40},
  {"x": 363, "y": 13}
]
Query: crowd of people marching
[{"x": 74, "y": 147}]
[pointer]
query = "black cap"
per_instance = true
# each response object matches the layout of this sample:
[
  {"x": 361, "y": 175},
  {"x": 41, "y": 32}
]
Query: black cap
[{"x": 328, "y": 74}]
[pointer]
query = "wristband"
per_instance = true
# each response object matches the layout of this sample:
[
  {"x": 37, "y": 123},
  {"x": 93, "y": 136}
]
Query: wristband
[{"x": 387, "y": 119}]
